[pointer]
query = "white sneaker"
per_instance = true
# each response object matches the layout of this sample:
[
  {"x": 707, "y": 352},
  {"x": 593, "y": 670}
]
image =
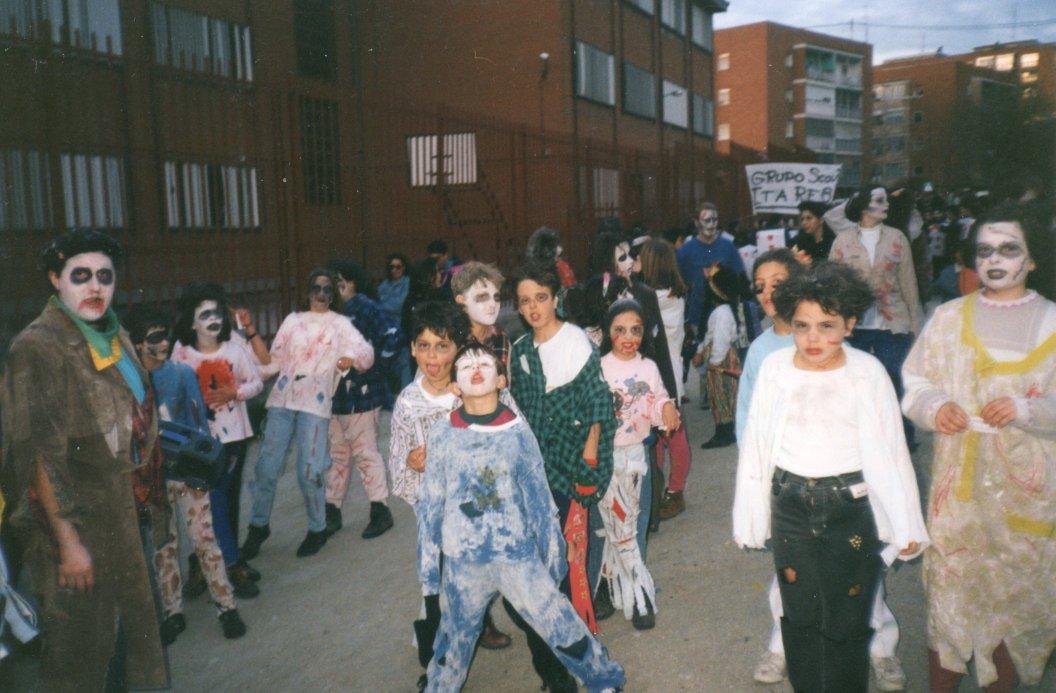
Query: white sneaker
[
  {"x": 888, "y": 674},
  {"x": 771, "y": 668}
]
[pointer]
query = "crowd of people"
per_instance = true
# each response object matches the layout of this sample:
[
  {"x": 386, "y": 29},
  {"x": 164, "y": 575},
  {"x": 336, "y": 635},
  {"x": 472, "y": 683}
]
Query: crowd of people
[{"x": 540, "y": 445}]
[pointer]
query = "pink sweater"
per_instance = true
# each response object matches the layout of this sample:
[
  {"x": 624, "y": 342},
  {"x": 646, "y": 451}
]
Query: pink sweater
[{"x": 637, "y": 387}]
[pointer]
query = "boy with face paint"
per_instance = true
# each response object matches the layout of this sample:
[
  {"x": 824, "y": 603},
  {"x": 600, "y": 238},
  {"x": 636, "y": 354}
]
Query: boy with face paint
[
  {"x": 78, "y": 420},
  {"x": 983, "y": 376},
  {"x": 477, "y": 289},
  {"x": 180, "y": 400},
  {"x": 358, "y": 403},
  {"x": 698, "y": 254},
  {"x": 488, "y": 509}
]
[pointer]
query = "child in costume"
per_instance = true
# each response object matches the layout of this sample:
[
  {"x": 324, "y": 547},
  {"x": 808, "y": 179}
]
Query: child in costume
[
  {"x": 824, "y": 472},
  {"x": 642, "y": 402},
  {"x": 487, "y": 508}
]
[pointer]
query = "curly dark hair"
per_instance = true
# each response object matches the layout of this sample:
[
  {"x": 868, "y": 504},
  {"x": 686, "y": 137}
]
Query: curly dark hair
[
  {"x": 542, "y": 245},
  {"x": 837, "y": 288},
  {"x": 603, "y": 249},
  {"x": 142, "y": 318},
  {"x": 1035, "y": 219},
  {"x": 191, "y": 297},
  {"x": 354, "y": 272},
  {"x": 542, "y": 273},
  {"x": 442, "y": 318},
  {"x": 475, "y": 347},
  {"x": 782, "y": 256},
  {"x": 74, "y": 242},
  {"x": 860, "y": 201}
]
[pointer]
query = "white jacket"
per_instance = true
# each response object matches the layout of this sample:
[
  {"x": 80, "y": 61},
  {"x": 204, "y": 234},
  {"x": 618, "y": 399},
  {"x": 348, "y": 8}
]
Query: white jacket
[{"x": 888, "y": 470}]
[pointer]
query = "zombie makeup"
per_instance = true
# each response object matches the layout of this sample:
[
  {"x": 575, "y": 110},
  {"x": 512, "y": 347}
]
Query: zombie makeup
[
  {"x": 769, "y": 276},
  {"x": 878, "y": 204},
  {"x": 156, "y": 343},
  {"x": 208, "y": 321},
  {"x": 86, "y": 285},
  {"x": 622, "y": 261},
  {"x": 819, "y": 336},
  {"x": 1001, "y": 257},
  {"x": 477, "y": 374},
  {"x": 536, "y": 304},
  {"x": 708, "y": 225},
  {"x": 321, "y": 294},
  {"x": 626, "y": 333},
  {"x": 482, "y": 302}
]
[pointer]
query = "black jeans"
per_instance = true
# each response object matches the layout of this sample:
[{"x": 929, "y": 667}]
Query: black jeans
[{"x": 826, "y": 553}]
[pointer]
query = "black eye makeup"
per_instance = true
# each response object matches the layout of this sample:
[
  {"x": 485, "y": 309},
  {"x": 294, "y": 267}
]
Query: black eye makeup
[
  {"x": 324, "y": 289},
  {"x": 82, "y": 275},
  {"x": 156, "y": 337},
  {"x": 1007, "y": 250},
  {"x": 212, "y": 313}
]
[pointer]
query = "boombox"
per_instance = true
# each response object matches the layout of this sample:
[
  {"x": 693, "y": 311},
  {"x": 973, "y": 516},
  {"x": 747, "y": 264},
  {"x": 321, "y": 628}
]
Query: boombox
[{"x": 191, "y": 456}]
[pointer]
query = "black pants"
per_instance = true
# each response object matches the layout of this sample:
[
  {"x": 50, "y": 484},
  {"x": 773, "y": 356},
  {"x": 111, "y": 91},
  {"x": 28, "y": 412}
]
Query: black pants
[{"x": 826, "y": 553}]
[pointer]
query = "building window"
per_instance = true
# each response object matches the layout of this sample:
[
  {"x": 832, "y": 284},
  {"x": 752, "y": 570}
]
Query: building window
[
  {"x": 821, "y": 134},
  {"x": 849, "y": 71},
  {"x": 193, "y": 41},
  {"x": 673, "y": 15},
  {"x": 918, "y": 116},
  {"x": 894, "y": 170},
  {"x": 821, "y": 65},
  {"x": 313, "y": 31},
  {"x": 789, "y": 60},
  {"x": 878, "y": 146},
  {"x": 320, "y": 151},
  {"x": 93, "y": 191},
  {"x": 848, "y": 137},
  {"x": 199, "y": 195},
  {"x": 1029, "y": 60},
  {"x": 1005, "y": 62},
  {"x": 595, "y": 74},
  {"x": 790, "y": 130},
  {"x": 703, "y": 115},
  {"x": 606, "y": 192},
  {"x": 848, "y": 104},
  {"x": 986, "y": 61},
  {"x": 643, "y": 5},
  {"x": 92, "y": 26},
  {"x": 890, "y": 91},
  {"x": 1028, "y": 77},
  {"x": 722, "y": 62},
  {"x": 676, "y": 104},
  {"x": 639, "y": 91},
  {"x": 896, "y": 145},
  {"x": 918, "y": 170},
  {"x": 459, "y": 157},
  {"x": 895, "y": 117},
  {"x": 724, "y": 132},
  {"x": 789, "y": 96},
  {"x": 700, "y": 27},
  {"x": 820, "y": 100},
  {"x": 25, "y": 190},
  {"x": 851, "y": 171},
  {"x": 724, "y": 97}
]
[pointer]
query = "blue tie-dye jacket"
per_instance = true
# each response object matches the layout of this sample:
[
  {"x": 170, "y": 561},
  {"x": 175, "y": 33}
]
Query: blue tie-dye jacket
[{"x": 484, "y": 498}]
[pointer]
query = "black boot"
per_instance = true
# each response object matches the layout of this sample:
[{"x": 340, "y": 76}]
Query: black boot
[
  {"x": 333, "y": 518},
  {"x": 195, "y": 584},
  {"x": 232, "y": 625},
  {"x": 251, "y": 572},
  {"x": 242, "y": 582},
  {"x": 722, "y": 438},
  {"x": 380, "y": 520},
  {"x": 171, "y": 627},
  {"x": 644, "y": 621},
  {"x": 254, "y": 538},
  {"x": 603, "y": 607},
  {"x": 311, "y": 544}
]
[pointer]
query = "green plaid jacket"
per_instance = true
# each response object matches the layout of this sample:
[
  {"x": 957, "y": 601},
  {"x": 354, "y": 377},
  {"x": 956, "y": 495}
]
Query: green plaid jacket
[{"x": 561, "y": 420}]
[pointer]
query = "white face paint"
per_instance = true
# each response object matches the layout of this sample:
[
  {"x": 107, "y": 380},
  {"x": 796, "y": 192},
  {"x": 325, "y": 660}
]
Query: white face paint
[
  {"x": 482, "y": 302},
  {"x": 878, "y": 204},
  {"x": 208, "y": 321},
  {"x": 86, "y": 285},
  {"x": 1001, "y": 256},
  {"x": 477, "y": 374},
  {"x": 708, "y": 225},
  {"x": 622, "y": 260},
  {"x": 156, "y": 344},
  {"x": 558, "y": 251}
]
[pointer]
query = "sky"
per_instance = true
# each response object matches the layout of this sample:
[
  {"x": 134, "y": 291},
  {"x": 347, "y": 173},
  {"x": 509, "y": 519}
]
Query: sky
[{"x": 919, "y": 26}]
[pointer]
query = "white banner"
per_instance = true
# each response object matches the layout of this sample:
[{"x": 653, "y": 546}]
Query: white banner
[{"x": 778, "y": 188}]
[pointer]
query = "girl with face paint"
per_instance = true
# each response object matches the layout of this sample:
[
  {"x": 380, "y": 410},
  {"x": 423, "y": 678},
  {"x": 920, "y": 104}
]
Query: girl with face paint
[
  {"x": 228, "y": 377},
  {"x": 983, "y": 376},
  {"x": 311, "y": 352},
  {"x": 477, "y": 288},
  {"x": 641, "y": 403}
]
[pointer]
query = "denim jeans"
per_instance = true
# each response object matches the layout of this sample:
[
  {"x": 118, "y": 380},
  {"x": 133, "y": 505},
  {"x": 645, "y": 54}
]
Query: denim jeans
[
  {"x": 827, "y": 559},
  {"x": 225, "y": 497},
  {"x": 283, "y": 427},
  {"x": 890, "y": 349}
]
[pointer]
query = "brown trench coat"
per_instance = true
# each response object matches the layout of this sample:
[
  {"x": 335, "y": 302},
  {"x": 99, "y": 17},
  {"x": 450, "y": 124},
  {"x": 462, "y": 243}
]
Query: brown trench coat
[{"x": 58, "y": 410}]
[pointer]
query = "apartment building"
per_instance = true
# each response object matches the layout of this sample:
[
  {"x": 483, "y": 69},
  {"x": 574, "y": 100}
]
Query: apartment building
[
  {"x": 1032, "y": 63},
  {"x": 781, "y": 89}
]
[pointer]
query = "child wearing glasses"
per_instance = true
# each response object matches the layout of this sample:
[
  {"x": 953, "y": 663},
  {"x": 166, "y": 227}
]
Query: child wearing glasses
[{"x": 825, "y": 474}]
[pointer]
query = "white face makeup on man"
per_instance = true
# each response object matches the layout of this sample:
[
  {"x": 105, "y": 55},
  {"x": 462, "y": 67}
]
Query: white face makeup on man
[
  {"x": 1002, "y": 259},
  {"x": 622, "y": 260},
  {"x": 708, "y": 226},
  {"x": 86, "y": 285},
  {"x": 208, "y": 321},
  {"x": 482, "y": 302},
  {"x": 477, "y": 374},
  {"x": 878, "y": 204}
]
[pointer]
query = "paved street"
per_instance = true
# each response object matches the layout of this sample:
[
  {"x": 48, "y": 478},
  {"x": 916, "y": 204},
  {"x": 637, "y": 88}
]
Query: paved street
[{"x": 341, "y": 621}]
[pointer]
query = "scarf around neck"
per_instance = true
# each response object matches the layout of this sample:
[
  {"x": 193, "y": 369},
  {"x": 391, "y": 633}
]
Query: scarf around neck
[{"x": 105, "y": 347}]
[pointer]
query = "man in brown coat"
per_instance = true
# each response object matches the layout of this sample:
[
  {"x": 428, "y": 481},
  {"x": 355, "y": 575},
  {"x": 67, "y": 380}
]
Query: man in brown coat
[{"x": 78, "y": 420}]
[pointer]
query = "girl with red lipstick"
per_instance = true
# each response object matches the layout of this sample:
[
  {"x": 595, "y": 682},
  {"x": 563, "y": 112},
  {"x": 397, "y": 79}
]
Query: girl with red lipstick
[
  {"x": 824, "y": 473},
  {"x": 641, "y": 402}
]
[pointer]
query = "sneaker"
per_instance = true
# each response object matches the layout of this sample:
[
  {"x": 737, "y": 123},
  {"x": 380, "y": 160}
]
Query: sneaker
[
  {"x": 195, "y": 584},
  {"x": 603, "y": 607},
  {"x": 254, "y": 538},
  {"x": 888, "y": 673},
  {"x": 232, "y": 625},
  {"x": 561, "y": 682},
  {"x": 491, "y": 638},
  {"x": 380, "y": 521},
  {"x": 333, "y": 518},
  {"x": 646, "y": 621},
  {"x": 771, "y": 668},
  {"x": 311, "y": 544},
  {"x": 672, "y": 505},
  {"x": 172, "y": 626},
  {"x": 242, "y": 581}
]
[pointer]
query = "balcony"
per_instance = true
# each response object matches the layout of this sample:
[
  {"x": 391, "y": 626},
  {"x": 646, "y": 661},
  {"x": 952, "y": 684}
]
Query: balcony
[{"x": 821, "y": 144}]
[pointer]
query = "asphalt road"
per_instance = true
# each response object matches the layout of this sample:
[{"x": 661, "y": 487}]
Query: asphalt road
[{"x": 340, "y": 621}]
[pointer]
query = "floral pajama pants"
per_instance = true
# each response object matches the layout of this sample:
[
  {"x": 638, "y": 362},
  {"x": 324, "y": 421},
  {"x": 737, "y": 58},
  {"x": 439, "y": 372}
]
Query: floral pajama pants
[
  {"x": 622, "y": 564},
  {"x": 354, "y": 438},
  {"x": 194, "y": 504}
]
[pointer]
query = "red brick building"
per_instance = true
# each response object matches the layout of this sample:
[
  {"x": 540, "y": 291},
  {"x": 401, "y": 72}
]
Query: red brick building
[
  {"x": 780, "y": 89},
  {"x": 245, "y": 142}
]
